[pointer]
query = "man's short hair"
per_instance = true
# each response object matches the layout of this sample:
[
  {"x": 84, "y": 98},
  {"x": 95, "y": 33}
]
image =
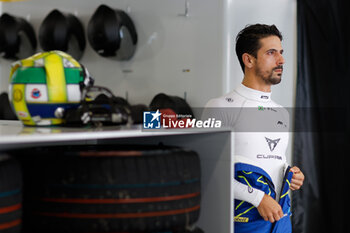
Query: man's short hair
[{"x": 248, "y": 39}]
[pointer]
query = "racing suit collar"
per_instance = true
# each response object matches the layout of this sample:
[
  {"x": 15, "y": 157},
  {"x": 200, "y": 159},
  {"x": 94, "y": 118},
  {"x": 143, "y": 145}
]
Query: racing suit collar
[{"x": 253, "y": 94}]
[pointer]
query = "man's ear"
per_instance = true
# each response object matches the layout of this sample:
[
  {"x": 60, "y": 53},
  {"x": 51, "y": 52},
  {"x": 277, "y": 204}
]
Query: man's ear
[{"x": 248, "y": 60}]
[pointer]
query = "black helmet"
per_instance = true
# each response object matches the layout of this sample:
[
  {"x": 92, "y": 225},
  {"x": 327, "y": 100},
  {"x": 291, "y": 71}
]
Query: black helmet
[
  {"x": 17, "y": 37},
  {"x": 62, "y": 32},
  {"x": 112, "y": 33},
  {"x": 178, "y": 104}
]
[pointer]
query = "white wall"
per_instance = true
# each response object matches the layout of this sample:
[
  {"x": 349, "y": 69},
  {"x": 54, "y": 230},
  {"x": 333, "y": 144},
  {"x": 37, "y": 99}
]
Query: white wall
[
  {"x": 168, "y": 44},
  {"x": 282, "y": 13}
]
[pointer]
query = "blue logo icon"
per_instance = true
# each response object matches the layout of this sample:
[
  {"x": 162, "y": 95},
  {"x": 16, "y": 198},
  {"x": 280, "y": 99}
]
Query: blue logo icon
[
  {"x": 151, "y": 120},
  {"x": 36, "y": 93}
]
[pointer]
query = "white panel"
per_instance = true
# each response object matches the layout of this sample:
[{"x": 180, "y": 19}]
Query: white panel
[
  {"x": 36, "y": 93},
  {"x": 73, "y": 93}
]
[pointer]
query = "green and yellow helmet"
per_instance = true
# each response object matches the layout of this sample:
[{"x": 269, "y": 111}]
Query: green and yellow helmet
[{"x": 45, "y": 83}]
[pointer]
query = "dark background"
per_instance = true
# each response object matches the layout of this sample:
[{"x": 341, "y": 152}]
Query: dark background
[{"x": 322, "y": 82}]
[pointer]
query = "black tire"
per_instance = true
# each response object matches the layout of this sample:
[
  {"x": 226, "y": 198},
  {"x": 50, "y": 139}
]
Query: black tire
[
  {"x": 10, "y": 195},
  {"x": 125, "y": 189}
]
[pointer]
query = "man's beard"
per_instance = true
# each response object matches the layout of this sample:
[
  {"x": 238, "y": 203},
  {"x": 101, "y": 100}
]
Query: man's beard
[{"x": 269, "y": 78}]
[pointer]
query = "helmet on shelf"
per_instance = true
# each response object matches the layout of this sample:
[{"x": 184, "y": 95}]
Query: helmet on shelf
[
  {"x": 45, "y": 85},
  {"x": 112, "y": 33},
  {"x": 64, "y": 32},
  {"x": 17, "y": 37}
]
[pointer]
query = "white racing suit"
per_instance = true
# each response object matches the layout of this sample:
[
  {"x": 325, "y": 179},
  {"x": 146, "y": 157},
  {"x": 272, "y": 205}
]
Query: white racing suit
[{"x": 261, "y": 138}]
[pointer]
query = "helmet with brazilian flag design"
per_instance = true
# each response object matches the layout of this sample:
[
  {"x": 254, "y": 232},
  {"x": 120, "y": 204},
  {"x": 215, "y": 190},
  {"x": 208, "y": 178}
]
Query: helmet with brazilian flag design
[{"x": 44, "y": 85}]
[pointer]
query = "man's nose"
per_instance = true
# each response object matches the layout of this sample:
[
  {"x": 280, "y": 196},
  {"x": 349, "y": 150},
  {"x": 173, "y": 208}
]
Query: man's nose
[{"x": 281, "y": 60}]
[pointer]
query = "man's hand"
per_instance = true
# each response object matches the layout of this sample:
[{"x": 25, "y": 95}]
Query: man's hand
[
  {"x": 297, "y": 179},
  {"x": 269, "y": 209}
]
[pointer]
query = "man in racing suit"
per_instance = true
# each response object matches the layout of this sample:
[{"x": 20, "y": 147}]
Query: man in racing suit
[{"x": 262, "y": 177}]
